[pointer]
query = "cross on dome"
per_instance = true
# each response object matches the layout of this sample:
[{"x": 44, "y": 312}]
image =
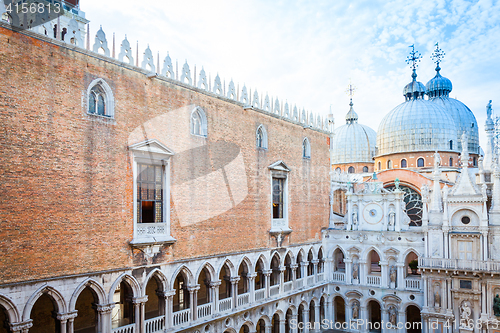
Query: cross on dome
[
  {"x": 437, "y": 56},
  {"x": 414, "y": 59}
]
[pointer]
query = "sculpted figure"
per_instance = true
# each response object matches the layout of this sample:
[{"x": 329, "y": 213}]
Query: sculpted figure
[
  {"x": 437, "y": 299},
  {"x": 393, "y": 274},
  {"x": 355, "y": 271},
  {"x": 355, "y": 310},
  {"x": 496, "y": 306},
  {"x": 355, "y": 218},
  {"x": 465, "y": 312},
  {"x": 392, "y": 218},
  {"x": 393, "y": 315},
  {"x": 488, "y": 110}
]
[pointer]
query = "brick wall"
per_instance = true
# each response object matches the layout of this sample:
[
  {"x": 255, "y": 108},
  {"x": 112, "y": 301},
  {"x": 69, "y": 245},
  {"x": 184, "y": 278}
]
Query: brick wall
[{"x": 66, "y": 176}]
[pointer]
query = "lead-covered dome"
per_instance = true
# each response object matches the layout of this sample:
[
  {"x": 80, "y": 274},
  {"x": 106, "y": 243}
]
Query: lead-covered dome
[
  {"x": 416, "y": 125},
  {"x": 353, "y": 142},
  {"x": 438, "y": 90}
]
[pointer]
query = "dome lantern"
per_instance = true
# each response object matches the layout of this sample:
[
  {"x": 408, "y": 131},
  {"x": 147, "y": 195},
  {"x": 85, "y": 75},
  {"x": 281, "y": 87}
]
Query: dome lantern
[
  {"x": 438, "y": 86},
  {"x": 414, "y": 89}
]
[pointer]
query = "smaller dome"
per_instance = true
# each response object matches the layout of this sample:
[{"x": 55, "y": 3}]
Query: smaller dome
[
  {"x": 414, "y": 89},
  {"x": 439, "y": 86},
  {"x": 353, "y": 142},
  {"x": 351, "y": 116}
]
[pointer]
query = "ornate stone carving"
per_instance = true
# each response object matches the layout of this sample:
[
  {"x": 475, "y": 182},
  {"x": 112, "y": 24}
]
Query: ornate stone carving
[
  {"x": 355, "y": 271},
  {"x": 465, "y": 311},
  {"x": 186, "y": 73},
  {"x": 218, "y": 86},
  {"x": 393, "y": 315},
  {"x": 126, "y": 51},
  {"x": 168, "y": 68},
  {"x": 355, "y": 310},
  {"x": 101, "y": 42},
  {"x": 231, "y": 91},
  {"x": 148, "y": 60},
  {"x": 393, "y": 274}
]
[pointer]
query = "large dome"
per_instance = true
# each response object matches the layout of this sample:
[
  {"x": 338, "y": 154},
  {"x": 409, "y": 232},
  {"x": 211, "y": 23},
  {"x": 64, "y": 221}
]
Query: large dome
[
  {"x": 464, "y": 120},
  {"x": 417, "y": 125},
  {"x": 438, "y": 90},
  {"x": 353, "y": 142}
]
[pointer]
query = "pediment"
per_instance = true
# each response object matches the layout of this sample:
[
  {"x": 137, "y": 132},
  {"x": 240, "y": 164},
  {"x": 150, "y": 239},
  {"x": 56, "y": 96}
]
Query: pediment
[
  {"x": 152, "y": 146},
  {"x": 279, "y": 166},
  {"x": 391, "y": 298},
  {"x": 354, "y": 294}
]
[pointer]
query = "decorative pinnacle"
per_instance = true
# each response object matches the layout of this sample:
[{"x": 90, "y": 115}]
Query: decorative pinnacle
[
  {"x": 350, "y": 91},
  {"x": 414, "y": 59},
  {"x": 437, "y": 56}
]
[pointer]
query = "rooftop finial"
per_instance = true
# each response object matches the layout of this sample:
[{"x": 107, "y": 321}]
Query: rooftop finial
[
  {"x": 351, "y": 115},
  {"x": 437, "y": 56},
  {"x": 414, "y": 59},
  {"x": 350, "y": 91}
]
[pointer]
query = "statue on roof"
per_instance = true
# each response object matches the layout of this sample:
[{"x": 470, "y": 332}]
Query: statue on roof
[{"x": 488, "y": 110}]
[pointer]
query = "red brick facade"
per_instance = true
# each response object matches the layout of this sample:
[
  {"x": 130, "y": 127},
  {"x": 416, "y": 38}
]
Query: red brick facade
[{"x": 66, "y": 176}]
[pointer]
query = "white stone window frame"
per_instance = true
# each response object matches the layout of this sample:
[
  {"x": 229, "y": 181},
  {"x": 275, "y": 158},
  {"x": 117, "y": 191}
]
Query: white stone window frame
[
  {"x": 306, "y": 149},
  {"x": 203, "y": 122},
  {"x": 264, "y": 143},
  {"x": 280, "y": 170},
  {"x": 109, "y": 99},
  {"x": 152, "y": 152}
]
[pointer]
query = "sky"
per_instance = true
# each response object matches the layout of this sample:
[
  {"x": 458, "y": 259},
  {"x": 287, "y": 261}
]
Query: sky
[{"x": 308, "y": 51}]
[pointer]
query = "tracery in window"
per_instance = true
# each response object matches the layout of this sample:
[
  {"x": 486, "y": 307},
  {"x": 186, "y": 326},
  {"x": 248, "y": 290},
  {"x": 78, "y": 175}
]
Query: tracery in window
[
  {"x": 198, "y": 122},
  {"x": 261, "y": 137},
  {"x": 413, "y": 204},
  {"x": 100, "y": 99},
  {"x": 306, "y": 148}
]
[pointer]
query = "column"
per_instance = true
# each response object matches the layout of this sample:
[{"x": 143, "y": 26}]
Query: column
[
  {"x": 104, "y": 317},
  {"x": 426, "y": 293},
  {"x": 294, "y": 319},
  {"x": 364, "y": 317},
  {"x": 305, "y": 316},
  {"x": 384, "y": 271},
  {"x": 317, "y": 320},
  {"x": 282, "y": 279},
  {"x": 448, "y": 297},
  {"x": 401, "y": 319},
  {"x": 363, "y": 272},
  {"x": 329, "y": 310},
  {"x": 251, "y": 290},
  {"x": 303, "y": 271},
  {"x": 269, "y": 328},
  {"x": 138, "y": 303},
  {"x": 348, "y": 271},
  {"x": 267, "y": 281},
  {"x": 282, "y": 325},
  {"x": 484, "y": 310},
  {"x": 168, "y": 299},
  {"x": 193, "y": 301},
  {"x": 400, "y": 267},
  {"x": 294, "y": 275},
  {"x": 214, "y": 286},
  {"x": 385, "y": 320},
  {"x": 234, "y": 290},
  {"x": 315, "y": 269}
]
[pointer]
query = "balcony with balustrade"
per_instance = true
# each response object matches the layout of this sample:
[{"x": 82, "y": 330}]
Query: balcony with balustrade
[{"x": 487, "y": 266}]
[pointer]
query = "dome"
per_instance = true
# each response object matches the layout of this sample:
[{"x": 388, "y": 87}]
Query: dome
[
  {"x": 464, "y": 121},
  {"x": 438, "y": 86},
  {"x": 414, "y": 88},
  {"x": 353, "y": 142},
  {"x": 417, "y": 125}
]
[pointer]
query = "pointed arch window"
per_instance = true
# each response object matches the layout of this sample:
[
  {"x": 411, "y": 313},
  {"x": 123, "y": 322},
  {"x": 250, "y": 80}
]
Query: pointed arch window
[
  {"x": 306, "y": 148},
  {"x": 198, "y": 122},
  {"x": 100, "y": 99},
  {"x": 261, "y": 137}
]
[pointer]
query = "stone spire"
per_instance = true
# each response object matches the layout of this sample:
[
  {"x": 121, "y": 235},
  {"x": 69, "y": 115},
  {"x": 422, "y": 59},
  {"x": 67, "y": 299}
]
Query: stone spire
[{"x": 489, "y": 128}]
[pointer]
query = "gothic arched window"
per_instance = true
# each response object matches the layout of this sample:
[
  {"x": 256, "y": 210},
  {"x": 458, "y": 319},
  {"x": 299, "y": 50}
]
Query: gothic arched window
[
  {"x": 198, "y": 122},
  {"x": 261, "y": 137},
  {"x": 100, "y": 99},
  {"x": 306, "y": 148}
]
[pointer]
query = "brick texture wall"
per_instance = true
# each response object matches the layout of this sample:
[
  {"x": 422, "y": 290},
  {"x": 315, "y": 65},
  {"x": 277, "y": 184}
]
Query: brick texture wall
[{"x": 66, "y": 176}]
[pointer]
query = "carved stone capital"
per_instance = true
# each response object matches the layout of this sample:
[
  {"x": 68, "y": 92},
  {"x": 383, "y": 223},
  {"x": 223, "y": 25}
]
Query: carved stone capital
[
  {"x": 18, "y": 327},
  {"x": 234, "y": 279},
  {"x": 214, "y": 284},
  {"x": 140, "y": 300},
  {"x": 67, "y": 316},
  {"x": 193, "y": 288},
  {"x": 267, "y": 272},
  {"x": 105, "y": 308}
]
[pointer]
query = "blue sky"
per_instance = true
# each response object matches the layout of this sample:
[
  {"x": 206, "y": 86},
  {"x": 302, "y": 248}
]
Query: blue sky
[{"x": 306, "y": 52}]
